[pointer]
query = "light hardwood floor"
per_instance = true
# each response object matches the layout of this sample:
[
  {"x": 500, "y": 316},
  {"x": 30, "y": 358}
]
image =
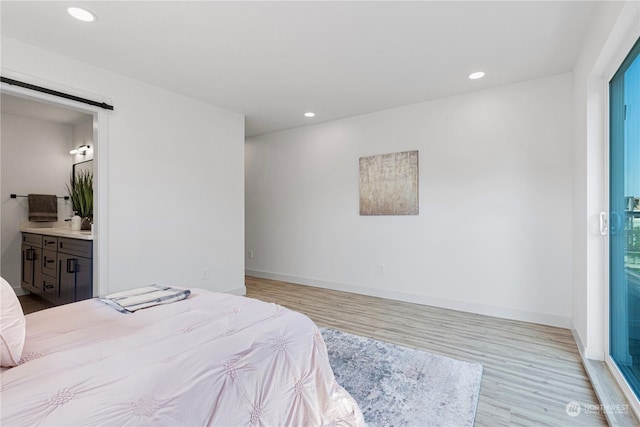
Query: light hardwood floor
[{"x": 531, "y": 372}]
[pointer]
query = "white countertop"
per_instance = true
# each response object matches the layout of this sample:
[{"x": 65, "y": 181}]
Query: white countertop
[{"x": 59, "y": 231}]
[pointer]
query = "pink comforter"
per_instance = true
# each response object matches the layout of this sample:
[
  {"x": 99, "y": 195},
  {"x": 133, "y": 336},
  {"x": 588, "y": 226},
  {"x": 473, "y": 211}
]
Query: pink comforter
[{"x": 212, "y": 359}]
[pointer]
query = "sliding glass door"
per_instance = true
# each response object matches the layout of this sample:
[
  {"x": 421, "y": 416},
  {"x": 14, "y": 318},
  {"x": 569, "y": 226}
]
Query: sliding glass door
[{"x": 624, "y": 218}]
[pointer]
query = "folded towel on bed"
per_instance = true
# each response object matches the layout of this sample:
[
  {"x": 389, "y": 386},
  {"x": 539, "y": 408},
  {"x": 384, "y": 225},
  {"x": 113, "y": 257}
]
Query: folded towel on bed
[
  {"x": 147, "y": 296},
  {"x": 43, "y": 208}
]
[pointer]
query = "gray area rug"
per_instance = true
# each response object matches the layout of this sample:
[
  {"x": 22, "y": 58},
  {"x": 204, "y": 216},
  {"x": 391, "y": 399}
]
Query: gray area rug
[{"x": 400, "y": 386}]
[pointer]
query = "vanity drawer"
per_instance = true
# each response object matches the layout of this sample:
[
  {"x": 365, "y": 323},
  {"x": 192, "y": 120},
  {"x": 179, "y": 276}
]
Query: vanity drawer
[
  {"x": 50, "y": 242},
  {"x": 50, "y": 263},
  {"x": 81, "y": 248},
  {"x": 50, "y": 285},
  {"x": 32, "y": 239}
]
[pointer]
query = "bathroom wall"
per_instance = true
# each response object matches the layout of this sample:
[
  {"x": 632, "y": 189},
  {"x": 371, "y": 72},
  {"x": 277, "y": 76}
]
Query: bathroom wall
[
  {"x": 35, "y": 159},
  {"x": 83, "y": 135}
]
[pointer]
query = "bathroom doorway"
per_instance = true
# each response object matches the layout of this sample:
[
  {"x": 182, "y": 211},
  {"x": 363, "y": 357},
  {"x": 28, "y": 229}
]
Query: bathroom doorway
[{"x": 38, "y": 159}]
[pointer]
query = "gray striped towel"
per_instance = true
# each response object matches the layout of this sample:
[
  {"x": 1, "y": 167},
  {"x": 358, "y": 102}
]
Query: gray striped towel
[{"x": 147, "y": 296}]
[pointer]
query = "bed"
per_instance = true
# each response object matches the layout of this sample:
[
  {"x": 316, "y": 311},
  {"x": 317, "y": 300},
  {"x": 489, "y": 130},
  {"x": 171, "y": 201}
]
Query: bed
[{"x": 211, "y": 359}]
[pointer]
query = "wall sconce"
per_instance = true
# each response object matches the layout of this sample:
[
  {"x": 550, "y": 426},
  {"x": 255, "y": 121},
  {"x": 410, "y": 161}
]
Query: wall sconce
[{"x": 82, "y": 150}]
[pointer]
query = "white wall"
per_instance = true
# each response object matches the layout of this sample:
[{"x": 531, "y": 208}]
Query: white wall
[
  {"x": 83, "y": 135},
  {"x": 494, "y": 231},
  {"x": 175, "y": 168},
  {"x": 35, "y": 159}
]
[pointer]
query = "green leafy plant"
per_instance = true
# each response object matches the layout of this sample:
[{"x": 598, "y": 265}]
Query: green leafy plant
[{"x": 81, "y": 193}]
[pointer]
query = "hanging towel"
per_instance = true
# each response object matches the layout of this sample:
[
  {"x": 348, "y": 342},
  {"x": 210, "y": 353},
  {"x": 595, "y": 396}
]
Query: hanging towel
[{"x": 43, "y": 208}]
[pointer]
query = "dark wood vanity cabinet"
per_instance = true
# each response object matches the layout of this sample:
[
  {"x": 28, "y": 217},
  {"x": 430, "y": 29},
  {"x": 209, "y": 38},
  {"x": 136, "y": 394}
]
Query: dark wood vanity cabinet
[
  {"x": 75, "y": 265},
  {"x": 31, "y": 279},
  {"x": 59, "y": 269}
]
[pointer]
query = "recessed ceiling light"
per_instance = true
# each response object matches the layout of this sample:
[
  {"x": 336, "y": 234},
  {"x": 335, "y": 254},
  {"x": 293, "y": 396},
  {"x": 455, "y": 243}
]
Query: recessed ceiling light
[
  {"x": 309, "y": 114},
  {"x": 476, "y": 75},
  {"x": 81, "y": 14}
]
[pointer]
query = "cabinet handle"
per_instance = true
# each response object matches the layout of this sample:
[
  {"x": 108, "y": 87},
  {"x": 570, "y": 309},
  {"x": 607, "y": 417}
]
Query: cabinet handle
[
  {"x": 71, "y": 265},
  {"x": 49, "y": 286},
  {"x": 49, "y": 242},
  {"x": 48, "y": 261},
  {"x": 30, "y": 254}
]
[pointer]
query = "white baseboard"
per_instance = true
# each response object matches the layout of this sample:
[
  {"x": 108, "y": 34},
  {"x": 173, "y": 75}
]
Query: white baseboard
[
  {"x": 19, "y": 291},
  {"x": 586, "y": 352},
  {"x": 494, "y": 311},
  {"x": 241, "y": 291}
]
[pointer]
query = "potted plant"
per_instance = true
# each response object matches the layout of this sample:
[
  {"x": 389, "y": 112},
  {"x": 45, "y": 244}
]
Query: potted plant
[{"x": 81, "y": 195}]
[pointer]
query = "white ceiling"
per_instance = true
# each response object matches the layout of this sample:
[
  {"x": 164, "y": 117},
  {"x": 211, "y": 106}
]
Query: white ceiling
[{"x": 273, "y": 61}]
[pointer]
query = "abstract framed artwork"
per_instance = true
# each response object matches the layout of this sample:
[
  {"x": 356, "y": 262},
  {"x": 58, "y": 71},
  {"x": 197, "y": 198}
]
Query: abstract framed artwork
[{"x": 389, "y": 184}]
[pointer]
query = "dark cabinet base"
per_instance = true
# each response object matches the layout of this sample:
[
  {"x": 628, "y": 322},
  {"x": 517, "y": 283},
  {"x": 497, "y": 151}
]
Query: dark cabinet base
[{"x": 58, "y": 269}]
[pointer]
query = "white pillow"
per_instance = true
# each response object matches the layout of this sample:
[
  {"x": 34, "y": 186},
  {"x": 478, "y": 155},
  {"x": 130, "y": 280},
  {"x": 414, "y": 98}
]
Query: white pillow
[{"x": 12, "y": 326}]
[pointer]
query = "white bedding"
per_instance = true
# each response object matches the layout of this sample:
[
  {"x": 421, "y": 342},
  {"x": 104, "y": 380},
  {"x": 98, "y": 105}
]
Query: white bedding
[{"x": 212, "y": 359}]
